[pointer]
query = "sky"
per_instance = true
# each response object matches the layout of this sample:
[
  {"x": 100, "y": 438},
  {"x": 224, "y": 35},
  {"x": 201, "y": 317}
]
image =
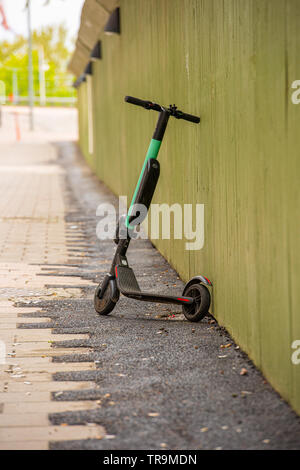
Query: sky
[{"x": 56, "y": 12}]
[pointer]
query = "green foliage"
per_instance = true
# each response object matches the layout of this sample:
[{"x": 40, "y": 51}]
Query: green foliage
[{"x": 14, "y": 61}]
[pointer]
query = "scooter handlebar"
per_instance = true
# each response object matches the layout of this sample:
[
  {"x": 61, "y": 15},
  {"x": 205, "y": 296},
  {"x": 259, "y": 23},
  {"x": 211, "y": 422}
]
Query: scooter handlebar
[
  {"x": 156, "y": 107},
  {"x": 142, "y": 103},
  {"x": 187, "y": 117}
]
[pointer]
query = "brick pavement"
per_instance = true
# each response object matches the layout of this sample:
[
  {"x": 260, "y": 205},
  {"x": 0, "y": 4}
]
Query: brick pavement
[{"x": 33, "y": 233}]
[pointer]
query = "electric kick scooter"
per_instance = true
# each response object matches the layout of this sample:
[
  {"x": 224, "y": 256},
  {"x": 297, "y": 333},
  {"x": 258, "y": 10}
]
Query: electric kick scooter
[{"x": 195, "y": 299}]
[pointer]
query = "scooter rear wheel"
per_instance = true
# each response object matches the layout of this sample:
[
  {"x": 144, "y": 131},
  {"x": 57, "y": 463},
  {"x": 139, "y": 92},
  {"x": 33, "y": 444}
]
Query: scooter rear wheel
[
  {"x": 199, "y": 308},
  {"x": 106, "y": 304}
]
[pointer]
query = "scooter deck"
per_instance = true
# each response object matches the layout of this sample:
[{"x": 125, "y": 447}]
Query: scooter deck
[{"x": 128, "y": 286}]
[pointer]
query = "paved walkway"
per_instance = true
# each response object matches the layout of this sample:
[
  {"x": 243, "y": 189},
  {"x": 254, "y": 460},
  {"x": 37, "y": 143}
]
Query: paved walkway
[
  {"x": 32, "y": 234},
  {"x": 141, "y": 378}
]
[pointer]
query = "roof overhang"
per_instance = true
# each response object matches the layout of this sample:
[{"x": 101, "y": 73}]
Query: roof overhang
[{"x": 94, "y": 16}]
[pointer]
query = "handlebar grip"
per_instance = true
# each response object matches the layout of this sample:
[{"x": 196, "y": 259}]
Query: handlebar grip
[
  {"x": 143, "y": 103},
  {"x": 187, "y": 117},
  {"x": 138, "y": 102}
]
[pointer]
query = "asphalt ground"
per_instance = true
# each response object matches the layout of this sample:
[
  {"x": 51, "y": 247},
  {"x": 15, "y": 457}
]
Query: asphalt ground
[{"x": 162, "y": 382}]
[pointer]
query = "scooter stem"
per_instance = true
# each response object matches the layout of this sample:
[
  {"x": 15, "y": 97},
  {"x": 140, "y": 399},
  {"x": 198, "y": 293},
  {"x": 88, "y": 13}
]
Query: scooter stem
[{"x": 152, "y": 152}]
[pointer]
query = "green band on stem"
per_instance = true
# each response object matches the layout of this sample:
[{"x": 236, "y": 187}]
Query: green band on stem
[{"x": 151, "y": 153}]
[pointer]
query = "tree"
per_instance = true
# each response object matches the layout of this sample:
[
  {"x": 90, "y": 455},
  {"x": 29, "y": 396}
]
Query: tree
[{"x": 14, "y": 56}]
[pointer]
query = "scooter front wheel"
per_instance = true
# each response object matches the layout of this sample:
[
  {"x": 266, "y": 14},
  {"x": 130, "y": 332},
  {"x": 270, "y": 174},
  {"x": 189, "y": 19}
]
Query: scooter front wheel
[
  {"x": 108, "y": 300},
  {"x": 199, "y": 308}
]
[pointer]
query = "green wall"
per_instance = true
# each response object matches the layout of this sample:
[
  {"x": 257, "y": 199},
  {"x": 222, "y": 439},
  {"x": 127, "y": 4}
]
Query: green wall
[{"x": 232, "y": 62}]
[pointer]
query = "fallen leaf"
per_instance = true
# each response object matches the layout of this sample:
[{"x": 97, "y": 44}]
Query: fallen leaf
[
  {"x": 152, "y": 415},
  {"x": 243, "y": 371}
]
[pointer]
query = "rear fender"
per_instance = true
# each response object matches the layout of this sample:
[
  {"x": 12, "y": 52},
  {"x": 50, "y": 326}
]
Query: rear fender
[{"x": 198, "y": 279}]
